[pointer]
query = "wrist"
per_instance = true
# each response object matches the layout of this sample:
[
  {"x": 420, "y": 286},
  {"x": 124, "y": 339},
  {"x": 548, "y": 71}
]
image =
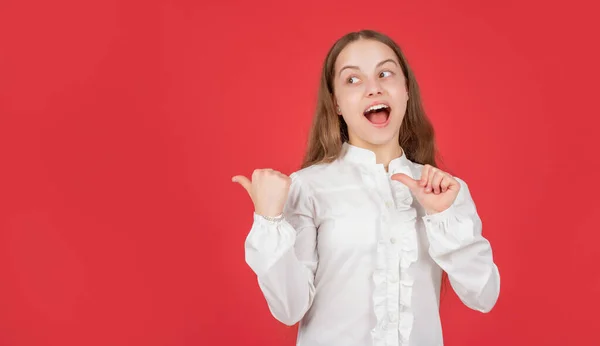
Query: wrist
[
  {"x": 272, "y": 219},
  {"x": 268, "y": 213}
]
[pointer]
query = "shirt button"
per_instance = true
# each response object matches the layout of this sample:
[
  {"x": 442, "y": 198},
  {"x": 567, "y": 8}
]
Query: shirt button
[
  {"x": 393, "y": 318},
  {"x": 393, "y": 240},
  {"x": 389, "y": 204}
]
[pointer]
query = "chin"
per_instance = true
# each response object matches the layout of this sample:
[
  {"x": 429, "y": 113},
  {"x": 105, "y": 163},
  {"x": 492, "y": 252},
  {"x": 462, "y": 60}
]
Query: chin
[
  {"x": 382, "y": 136},
  {"x": 382, "y": 141}
]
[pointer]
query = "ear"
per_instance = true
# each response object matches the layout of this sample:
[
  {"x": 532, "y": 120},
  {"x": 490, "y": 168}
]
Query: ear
[{"x": 336, "y": 107}]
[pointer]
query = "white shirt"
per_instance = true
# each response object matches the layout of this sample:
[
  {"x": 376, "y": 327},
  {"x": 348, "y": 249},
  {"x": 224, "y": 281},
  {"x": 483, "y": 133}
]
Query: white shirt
[{"x": 358, "y": 261}]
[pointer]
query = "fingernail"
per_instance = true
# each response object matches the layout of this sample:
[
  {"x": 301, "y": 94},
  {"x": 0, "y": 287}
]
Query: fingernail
[{"x": 234, "y": 180}]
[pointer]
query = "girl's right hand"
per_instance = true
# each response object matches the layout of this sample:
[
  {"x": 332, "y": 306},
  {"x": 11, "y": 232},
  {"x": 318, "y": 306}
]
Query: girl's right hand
[{"x": 268, "y": 190}]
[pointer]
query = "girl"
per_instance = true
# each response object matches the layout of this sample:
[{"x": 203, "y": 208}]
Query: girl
[{"x": 353, "y": 245}]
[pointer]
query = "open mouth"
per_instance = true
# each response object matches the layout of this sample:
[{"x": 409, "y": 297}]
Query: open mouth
[{"x": 378, "y": 114}]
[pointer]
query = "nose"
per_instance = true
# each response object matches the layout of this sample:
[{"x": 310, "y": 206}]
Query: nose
[{"x": 373, "y": 88}]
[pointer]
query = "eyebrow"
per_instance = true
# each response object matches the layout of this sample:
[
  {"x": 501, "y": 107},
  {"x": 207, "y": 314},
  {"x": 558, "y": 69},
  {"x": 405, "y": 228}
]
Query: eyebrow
[{"x": 357, "y": 68}]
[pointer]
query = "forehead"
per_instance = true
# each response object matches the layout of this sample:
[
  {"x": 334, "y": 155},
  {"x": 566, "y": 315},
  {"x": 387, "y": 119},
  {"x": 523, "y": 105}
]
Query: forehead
[{"x": 365, "y": 54}]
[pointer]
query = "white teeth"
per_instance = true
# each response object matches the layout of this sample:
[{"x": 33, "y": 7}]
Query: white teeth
[{"x": 376, "y": 107}]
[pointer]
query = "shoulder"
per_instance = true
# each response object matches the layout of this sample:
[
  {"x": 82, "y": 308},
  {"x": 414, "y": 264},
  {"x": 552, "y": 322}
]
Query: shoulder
[
  {"x": 314, "y": 185},
  {"x": 311, "y": 172},
  {"x": 303, "y": 185},
  {"x": 310, "y": 176}
]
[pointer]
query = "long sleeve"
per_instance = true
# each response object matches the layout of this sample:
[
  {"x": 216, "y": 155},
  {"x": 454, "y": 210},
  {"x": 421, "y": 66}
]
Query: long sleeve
[
  {"x": 458, "y": 247},
  {"x": 284, "y": 257}
]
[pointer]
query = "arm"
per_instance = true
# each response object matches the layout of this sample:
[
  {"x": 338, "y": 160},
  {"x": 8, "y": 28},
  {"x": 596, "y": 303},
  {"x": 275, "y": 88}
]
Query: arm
[
  {"x": 284, "y": 257},
  {"x": 458, "y": 247}
]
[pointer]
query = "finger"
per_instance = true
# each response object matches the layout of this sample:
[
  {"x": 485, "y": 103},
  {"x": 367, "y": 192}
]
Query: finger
[
  {"x": 260, "y": 171},
  {"x": 435, "y": 182},
  {"x": 429, "y": 185},
  {"x": 245, "y": 182},
  {"x": 286, "y": 177},
  {"x": 406, "y": 180},
  {"x": 453, "y": 184},
  {"x": 445, "y": 183},
  {"x": 424, "y": 175}
]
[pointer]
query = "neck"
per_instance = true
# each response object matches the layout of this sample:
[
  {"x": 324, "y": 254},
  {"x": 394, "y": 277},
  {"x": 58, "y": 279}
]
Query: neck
[{"x": 383, "y": 152}]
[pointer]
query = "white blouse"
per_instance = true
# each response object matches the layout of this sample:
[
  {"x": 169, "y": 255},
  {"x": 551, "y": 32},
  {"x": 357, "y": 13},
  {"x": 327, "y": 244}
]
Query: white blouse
[{"x": 357, "y": 261}]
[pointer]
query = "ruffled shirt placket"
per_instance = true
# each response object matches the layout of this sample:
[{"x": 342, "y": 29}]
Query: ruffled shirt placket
[
  {"x": 405, "y": 222},
  {"x": 396, "y": 251}
]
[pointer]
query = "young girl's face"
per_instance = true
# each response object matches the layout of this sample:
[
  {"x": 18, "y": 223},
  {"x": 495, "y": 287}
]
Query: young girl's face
[{"x": 370, "y": 91}]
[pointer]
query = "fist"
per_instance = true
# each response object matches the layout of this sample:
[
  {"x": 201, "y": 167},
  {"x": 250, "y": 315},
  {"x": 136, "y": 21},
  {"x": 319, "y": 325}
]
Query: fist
[{"x": 268, "y": 190}]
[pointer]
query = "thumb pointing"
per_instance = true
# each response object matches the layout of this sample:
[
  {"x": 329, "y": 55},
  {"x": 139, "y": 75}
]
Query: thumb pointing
[
  {"x": 245, "y": 182},
  {"x": 406, "y": 180}
]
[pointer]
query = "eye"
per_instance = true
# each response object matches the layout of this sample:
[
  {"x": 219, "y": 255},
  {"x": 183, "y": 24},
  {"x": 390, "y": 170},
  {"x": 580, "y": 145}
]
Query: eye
[
  {"x": 352, "y": 80},
  {"x": 384, "y": 74}
]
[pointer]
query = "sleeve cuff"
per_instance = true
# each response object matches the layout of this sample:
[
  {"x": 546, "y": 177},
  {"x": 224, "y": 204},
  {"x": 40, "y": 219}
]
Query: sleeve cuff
[
  {"x": 268, "y": 220},
  {"x": 441, "y": 216}
]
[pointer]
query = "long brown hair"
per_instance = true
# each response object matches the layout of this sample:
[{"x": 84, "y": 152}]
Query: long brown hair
[{"x": 329, "y": 131}]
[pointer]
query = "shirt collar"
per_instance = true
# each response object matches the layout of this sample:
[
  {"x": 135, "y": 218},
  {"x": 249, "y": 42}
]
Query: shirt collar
[{"x": 365, "y": 156}]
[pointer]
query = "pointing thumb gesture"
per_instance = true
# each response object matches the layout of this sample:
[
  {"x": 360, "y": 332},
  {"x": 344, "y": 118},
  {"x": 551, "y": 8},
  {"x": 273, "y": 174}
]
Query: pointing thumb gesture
[
  {"x": 436, "y": 190},
  {"x": 406, "y": 180},
  {"x": 245, "y": 182},
  {"x": 268, "y": 190}
]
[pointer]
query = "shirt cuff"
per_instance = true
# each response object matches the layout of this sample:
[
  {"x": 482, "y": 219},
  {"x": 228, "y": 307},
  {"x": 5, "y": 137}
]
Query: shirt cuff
[
  {"x": 268, "y": 220},
  {"x": 441, "y": 216}
]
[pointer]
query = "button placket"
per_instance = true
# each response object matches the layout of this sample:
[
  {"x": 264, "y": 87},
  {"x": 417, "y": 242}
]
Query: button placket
[
  {"x": 378, "y": 182},
  {"x": 392, "y": 276}
]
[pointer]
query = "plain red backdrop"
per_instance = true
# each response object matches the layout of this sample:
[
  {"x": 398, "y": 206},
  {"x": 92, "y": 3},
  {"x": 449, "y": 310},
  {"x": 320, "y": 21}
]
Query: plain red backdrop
[{"x": 122, "y": 122}]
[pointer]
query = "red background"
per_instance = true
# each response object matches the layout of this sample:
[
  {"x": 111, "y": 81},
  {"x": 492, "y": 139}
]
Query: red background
[{"x": 122, "y": 122}]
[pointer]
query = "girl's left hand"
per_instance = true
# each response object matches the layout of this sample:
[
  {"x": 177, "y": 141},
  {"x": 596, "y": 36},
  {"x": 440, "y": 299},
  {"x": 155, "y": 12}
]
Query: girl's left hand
[{"x": 435, "y": 191}]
